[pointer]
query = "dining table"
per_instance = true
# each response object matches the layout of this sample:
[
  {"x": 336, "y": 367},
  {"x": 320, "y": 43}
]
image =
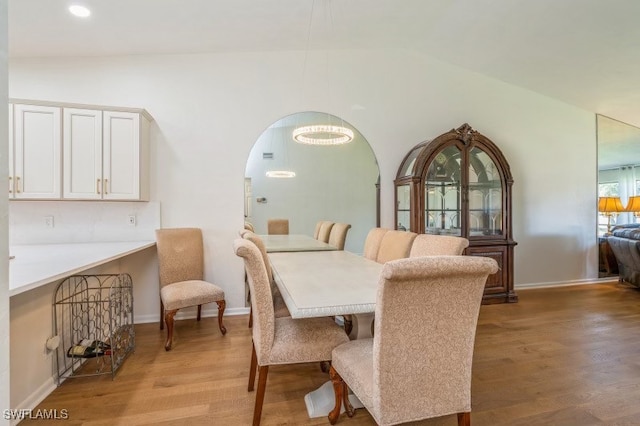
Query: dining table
[
  {"x": 328, "y": 283},
  {"x": 294, "y": 243}
]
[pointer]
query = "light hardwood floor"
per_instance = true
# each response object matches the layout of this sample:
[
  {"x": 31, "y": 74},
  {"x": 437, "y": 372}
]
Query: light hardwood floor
[{"x": 561, "y": 356}]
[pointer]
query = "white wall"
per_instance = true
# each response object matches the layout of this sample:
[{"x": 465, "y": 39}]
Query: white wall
[
  {"x": 4, "y": 233},
  {"x": 209, "y": 110}
]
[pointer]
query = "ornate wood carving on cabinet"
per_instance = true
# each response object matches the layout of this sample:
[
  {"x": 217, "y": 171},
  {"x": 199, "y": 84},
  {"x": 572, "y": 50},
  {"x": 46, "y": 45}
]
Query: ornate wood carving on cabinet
[{"x": 460, "y": 184}]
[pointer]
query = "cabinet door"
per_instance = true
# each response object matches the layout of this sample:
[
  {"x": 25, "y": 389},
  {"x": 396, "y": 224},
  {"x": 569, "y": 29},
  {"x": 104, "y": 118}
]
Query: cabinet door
[
  {"x": 82, "y": 164},
  {"x": 11, "y": 171},
  {"x": 37, "y": 152},
  {"x": 121, "y": 156}
]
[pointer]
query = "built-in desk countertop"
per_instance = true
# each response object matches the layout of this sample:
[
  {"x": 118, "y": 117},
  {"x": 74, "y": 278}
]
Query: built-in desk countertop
[{"x": 35, "y": 265}]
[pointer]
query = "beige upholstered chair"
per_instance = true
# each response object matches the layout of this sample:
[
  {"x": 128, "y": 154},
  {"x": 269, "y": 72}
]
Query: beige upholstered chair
[
  {"x": 418, "y": 364},
  {"x": 279, "y": 306},
  {"x": 338, "y": 235},
  {"x": 395, "y": 245},
  {"x": 437, "y": 245},
  {"x": 181, "y": 268},
  {"x": 372, "y": 243},
  {"x": 316, "y": 232},
  {"x": 325, "y": 231},
  {"x": 278, "y": 226},
  {"x": 280, "y": 340},
  {"x": 249, "y": 226}
]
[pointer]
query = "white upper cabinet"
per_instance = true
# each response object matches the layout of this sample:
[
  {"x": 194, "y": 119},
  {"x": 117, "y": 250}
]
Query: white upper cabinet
[
  {"x": 122, "y": 156},
  {"x": 36, "y": 152},
  {"x": 82, "y": 147},
  {"x": 90, "y": 153}
]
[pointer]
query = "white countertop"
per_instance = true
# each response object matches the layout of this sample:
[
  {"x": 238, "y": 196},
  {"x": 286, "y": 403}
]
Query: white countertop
[{"x": 35, "y": 265}]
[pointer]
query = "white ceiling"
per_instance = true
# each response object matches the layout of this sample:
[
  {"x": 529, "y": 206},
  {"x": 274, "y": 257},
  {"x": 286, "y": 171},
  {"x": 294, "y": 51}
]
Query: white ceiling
[{"x": 584, "y": 52}]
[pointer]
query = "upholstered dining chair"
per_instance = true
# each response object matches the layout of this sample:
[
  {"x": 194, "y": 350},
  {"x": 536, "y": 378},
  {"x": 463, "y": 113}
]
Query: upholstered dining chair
[
  {"x": 279, "y": 307},
  {"x": 181, "y": 270},
  {"x": 372, "y": 243},
  {"x": 325, "y": 231},
  {"x": 316, "y": 232},
  {"x": 418, "y": 364},
  {"x": 278, "y": 226},
  {"x": 338, "y": 235},
  {"x": 280, "y": 340},
  {"x": 395, "y": 245},
  {"x": 436, "y": 245},
  {"x": 249, "y": 226}
]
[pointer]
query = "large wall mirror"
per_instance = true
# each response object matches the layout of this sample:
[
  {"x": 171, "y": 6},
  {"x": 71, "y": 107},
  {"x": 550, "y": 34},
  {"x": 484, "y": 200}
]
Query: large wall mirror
[
  {"x": 618, "y": 181},
  {"x": 335, "y": 182}
]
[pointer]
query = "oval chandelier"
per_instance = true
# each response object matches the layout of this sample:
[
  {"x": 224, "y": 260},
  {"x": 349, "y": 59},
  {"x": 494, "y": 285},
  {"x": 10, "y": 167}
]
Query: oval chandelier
[
  {"x": 280, "y": 174},
  {"x": 322, "y": 134}
]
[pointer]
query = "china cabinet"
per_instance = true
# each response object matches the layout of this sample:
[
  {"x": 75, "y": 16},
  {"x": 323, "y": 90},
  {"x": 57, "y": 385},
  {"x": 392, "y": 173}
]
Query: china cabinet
[{"x": 460, "y": 184}]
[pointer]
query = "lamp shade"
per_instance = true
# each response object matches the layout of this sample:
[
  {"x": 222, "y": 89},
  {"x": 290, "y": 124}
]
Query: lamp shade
[
  {"x": 610, "y": 205},
  {"x": 634, "y": 204}
]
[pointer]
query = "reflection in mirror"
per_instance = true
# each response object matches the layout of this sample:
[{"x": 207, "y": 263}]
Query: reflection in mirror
[
  {"x": 337, "y": 183},
  {"x": 618, "y": 176}
]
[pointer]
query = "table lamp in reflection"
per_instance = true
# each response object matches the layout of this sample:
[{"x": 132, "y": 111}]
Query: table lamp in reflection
[
  {"x": 610, "y": 206},
  {"x": 633, "y": 206}
]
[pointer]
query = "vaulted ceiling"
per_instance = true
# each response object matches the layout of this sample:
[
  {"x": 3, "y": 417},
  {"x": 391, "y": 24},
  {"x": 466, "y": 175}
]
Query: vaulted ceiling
[{"x": 583, "y": 52}]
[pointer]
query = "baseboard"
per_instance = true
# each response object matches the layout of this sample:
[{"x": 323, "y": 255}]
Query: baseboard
[
  {"x": 213, "y": 312},
  {"x": 36, "y": 397},
  {"x": 531, "y": 286}
]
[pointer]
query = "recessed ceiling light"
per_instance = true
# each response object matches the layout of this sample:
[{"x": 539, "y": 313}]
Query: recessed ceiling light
[{"x": 79, "y": 11}]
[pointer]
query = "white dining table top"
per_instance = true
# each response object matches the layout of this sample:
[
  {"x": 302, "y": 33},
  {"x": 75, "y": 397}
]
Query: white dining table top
[
  {"x": 325, "y": 283},
  {"x": 294, "y": 242}
]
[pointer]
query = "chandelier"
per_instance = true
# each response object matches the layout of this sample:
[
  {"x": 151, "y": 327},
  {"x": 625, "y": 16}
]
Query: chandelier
[
  {"x": 323, "y": 134},
  {"x": 280, "y": 174}
]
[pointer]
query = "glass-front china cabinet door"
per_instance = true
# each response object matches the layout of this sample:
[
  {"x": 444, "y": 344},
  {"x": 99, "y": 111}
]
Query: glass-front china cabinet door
[{"x": 459, "y": 184}]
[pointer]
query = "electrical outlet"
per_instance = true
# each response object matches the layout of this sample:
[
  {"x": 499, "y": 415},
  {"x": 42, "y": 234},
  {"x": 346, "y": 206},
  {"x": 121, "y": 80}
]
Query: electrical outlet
[
  {"x": 48, "y": 221},
  {"x": 132, "y": 220}
]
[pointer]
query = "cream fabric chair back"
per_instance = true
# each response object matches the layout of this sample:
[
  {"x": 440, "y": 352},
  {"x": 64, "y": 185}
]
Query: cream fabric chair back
[
  {"x": 261, "y": 300},
  {"x": 395, "y": 245},
  {"x": 263, "y": 251},
  {"x": 317, "y": 230},
  {"x": 325, "y": 231},
  {"x": 278, "y": 226},
  {"x": 180, "y": 255},
  {"x": 338, "y": 235},
  {"x": 422, "y": 357},
  {"x": 437, "y": 245},
  {"x": 372, "y": 243}
]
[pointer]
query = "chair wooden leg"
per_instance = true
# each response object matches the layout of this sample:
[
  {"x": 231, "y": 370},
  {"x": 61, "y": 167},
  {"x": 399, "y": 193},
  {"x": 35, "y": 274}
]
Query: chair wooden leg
[
  {"x": 221, "y": 306},
  {"x": 168, "y": 318},
  {"x": 199, "y": 312},
  {"x": 161, "y": 315},
  {"x": 464, "y": 419},
  {"x": 251, "y": 317},
  {"x": 338, "y": 390},
  {"x": 348, "y": 324},
  {"x": 252, "y": 370},
  {"x": 263, "y": 370}
]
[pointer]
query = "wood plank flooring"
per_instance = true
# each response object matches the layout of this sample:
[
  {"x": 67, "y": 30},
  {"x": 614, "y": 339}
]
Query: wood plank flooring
[{"x": 560, "y": 356}]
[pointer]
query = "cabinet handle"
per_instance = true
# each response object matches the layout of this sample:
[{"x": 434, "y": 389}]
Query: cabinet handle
[
  {"x": 10, "y": 185},
  {"x": 106, "y": 185},
  {"x": 18, "y": 190},
  {"x": 97, "y": 186}
]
